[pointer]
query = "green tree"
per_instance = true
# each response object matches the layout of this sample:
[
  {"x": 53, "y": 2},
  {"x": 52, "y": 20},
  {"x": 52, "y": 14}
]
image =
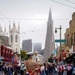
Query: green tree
[{"x": 23, "y": 55}]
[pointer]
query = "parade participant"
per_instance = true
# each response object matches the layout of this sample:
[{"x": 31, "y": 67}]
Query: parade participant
[{"x": 30, "y": 64}]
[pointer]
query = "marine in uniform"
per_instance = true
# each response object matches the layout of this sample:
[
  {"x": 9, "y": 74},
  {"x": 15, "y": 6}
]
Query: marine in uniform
[{"x": 31, "y": 64}]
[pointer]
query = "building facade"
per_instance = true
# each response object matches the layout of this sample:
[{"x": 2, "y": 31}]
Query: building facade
[
  {"x": 70, "y": 33},
  {"x": 14, "y": 37},
  {"x": 37, "y": 47},
  {"x": 5, "y": 49},
  {"x": 27, "y": 45}
]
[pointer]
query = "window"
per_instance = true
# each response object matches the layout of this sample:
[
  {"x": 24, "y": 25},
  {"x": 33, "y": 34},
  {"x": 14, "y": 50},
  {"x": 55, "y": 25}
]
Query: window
[
  {"x": 16, "y": 38},
  {"x": 11, "y": 38}
]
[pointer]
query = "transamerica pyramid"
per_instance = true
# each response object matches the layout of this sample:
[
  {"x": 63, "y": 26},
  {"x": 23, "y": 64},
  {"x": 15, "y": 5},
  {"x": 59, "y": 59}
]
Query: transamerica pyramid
[{"x": 49, "y": 43}]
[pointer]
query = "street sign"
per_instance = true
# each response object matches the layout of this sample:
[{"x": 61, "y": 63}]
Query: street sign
[{"x": 62, "y": 40}]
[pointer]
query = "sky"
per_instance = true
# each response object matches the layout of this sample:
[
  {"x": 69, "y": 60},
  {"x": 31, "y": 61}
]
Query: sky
[{"x": 33, "y": 17}]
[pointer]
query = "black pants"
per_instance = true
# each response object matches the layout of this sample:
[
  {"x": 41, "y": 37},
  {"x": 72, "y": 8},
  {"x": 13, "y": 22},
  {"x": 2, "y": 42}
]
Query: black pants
[
  {"x": 22, "y": 72},
  {"x": 59, "y": 73},
  {"x": 46, "y": 72}
]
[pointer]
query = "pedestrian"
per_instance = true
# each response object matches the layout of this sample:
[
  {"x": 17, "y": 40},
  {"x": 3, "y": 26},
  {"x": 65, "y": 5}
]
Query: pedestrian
[
  {"x": 55, "y": 70},
  {"x": 65, "y": 69},
  {"x": 1, "y": 68},
  {"x": 10, "y": 69},
  {"x": 69, "y": 69},
  {"x": 46, "y": 67},
  {"x": 22, "y": 68},
  {"x": 42, "y": 69},
  {"x": 50, "y": 69},
  {"x": 5, "y": 69},
  {"x": 59, "y": 69},
  {"x": 73, "y": 69}
]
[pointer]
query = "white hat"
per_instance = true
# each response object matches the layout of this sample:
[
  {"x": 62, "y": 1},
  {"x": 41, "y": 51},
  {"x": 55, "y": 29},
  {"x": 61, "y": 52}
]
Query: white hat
[{"x": 30, "y": 53}]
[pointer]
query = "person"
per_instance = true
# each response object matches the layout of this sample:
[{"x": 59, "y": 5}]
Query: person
[
  {"x": 5, "y": 69},
  {"x": 30, "y": 64},
  {"x": 69, "y": 69},
  {"x": 46, "y": 67},
  {"x": 1, "y": 68},
  {"x": 65, "y": 69},
  {"x": 50, "y": 69},
  {"x": 55, "y": 70},
  {"x": 59, "y": 69},
  {"x": 22, "y": 68},
  {"x": 42, "y": 69},
  {"x": 10, "y": 69},
  {"x": 73, "y": 69}
]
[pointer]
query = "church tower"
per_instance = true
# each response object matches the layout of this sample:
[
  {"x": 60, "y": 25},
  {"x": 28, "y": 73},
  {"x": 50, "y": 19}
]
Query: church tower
[
  {"x": 2, "y": 33},
  {"x": 14, "y": 37},
  {"x": 49, "y": 43}
]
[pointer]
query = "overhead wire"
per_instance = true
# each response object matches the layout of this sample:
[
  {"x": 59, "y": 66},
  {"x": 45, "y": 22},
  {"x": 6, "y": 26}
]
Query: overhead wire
[
  {"x": 62, "y": 4},
  {"x": 4, "y": 16},
  {"x": 32, "y": 31},
  {"x": 34, "y": 19},
  {"x": 70, "y": 1},
  {"x": 38, "y": 19}
]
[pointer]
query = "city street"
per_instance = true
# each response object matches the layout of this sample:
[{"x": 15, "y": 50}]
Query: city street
[{"x": 37, "y": 37}]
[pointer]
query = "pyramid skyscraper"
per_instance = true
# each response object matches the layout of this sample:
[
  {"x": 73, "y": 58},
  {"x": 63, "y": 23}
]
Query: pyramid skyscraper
[{"x": 49, "y": 43}]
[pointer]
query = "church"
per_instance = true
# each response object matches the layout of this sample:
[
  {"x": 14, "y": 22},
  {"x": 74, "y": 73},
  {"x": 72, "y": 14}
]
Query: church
[{"x": 9, "y": 44}]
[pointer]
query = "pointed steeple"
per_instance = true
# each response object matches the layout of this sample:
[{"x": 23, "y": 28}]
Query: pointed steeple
[
  {"x": 18, "y": 25},
  {"x": 5, "y": 29},
  {"x": 9, "y": 25},
  {"x": 0, "y": 28},
  {"x": 14, "y": 24},
  {"x": 50, "y": 15}
]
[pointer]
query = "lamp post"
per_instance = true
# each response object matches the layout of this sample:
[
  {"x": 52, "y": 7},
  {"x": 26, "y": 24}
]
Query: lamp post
[
  {"x": 60, "y": 38},
  {"x": 36, "y": 53}
]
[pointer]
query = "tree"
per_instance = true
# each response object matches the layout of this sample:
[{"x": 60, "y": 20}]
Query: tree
[{"x": 23, "y": 55}]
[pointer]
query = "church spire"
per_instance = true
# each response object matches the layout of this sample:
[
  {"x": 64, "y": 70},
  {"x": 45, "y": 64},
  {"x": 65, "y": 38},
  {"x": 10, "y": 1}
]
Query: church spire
[
  {"x": 50, "y": 15},
  {"x": 18, "y": 25},
  {"x": 5, "y": 29},
  {"x": 9, "y": 25},
  {"x": 0, "y": 28},
  {"x": 14, "y": 24}
]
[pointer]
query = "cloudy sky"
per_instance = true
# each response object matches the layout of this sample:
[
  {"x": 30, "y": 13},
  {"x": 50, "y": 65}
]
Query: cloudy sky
[{"x": 33, "y": 16}]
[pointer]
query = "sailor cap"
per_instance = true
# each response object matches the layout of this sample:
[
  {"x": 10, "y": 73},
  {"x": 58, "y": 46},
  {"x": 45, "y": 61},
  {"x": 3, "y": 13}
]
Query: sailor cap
[{"x": 30, "y": 53}]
